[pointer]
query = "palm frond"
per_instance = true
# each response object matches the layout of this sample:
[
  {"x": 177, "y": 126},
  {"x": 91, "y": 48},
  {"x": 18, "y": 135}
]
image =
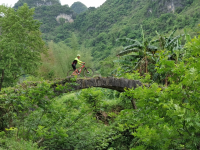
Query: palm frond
[
  {"x": 127, "y": 51},
  {"x": 187, "y": 36},
  {"x": 143, "y": 39},
  {"x": 118, "y": 61},
  {"x": 155, "y": 41},
  {"x": 158, "y": 33},
  {"x": 136, "y": 45},
  {"x": 170, "y": 36},
  {"x": 138, "y": 64},
  {"x": 126, "y": 40},
  {"x": 161, "y": 39},
  {"x": 152, "y": 48},
  {"x": 173, "y": 41}
]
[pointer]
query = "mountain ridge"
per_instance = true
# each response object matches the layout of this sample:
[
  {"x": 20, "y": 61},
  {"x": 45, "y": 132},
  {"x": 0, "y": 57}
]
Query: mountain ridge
[
  {"x": 78, "y": 7},
  {"x": 37, "y": 3}
]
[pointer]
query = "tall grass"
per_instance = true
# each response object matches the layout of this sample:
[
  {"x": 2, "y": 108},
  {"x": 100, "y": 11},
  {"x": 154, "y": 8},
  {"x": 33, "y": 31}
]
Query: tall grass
[{"x": 59, "y": 58}]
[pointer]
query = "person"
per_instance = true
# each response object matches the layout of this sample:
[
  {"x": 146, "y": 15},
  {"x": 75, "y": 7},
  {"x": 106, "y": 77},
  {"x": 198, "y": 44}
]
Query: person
[{"x": 77, "y": 60}]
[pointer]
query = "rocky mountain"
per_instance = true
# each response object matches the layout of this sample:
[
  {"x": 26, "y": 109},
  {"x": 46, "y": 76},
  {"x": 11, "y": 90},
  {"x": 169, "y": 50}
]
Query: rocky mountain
[
  {"x": 51, "y": 14},
  {"x": 78, "y": 7},
  {"x": 168, "y": 6}
]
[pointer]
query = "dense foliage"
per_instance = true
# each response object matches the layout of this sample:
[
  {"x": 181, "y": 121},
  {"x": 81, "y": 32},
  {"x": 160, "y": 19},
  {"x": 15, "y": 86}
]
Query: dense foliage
[
  {"x": 162, "y": 114},
  {"x": 59, "y": 58},
  {"x": 20, "y": 44},
  {"x": 168, "y": 117},
  {"x": 148, "y": 117},
  {"x": 98, "y": 28},
  {"x": 119, "y": 19},
  {"x": 37, "y": 3},
  {"x": 47, "y": 13}
]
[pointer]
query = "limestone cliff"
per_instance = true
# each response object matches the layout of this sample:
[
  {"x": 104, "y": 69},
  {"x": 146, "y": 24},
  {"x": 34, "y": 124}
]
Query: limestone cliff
[
  {"x": 167, "y": 6},
  {"x": 68, "y": 18}
]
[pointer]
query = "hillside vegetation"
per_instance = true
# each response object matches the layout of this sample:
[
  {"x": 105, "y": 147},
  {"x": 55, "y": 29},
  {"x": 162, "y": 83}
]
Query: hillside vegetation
[
  {"x": 53, "y": 17},
  {"x": 78, "y": 7},
  {"x": 156, "y": 43},
  {"x": 98, "y": 28},
  {"x": 37, "y": 3},
  {"x": 116, "y": 19}
]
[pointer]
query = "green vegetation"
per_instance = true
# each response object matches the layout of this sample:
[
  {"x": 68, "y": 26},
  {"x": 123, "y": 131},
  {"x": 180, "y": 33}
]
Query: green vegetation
[
  {"x": 13, "y": 144},
  {"x": 143, "y": 49},
  {"x": 37, "y": 3},
  {"x": 59, "y": 58},
  {"x": 78, "y": 7},
  {"x": 161, "y": 50},
  {"x": 97, "y": 29},
  {"x": 47, "y": 13},
  {"x": 20, "y": 44},
  {"x": 169, "y": 116},
  {"x": 119, "y": 19}
]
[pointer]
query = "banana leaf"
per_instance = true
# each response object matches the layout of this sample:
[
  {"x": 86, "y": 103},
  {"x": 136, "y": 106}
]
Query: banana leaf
[{"x": 127, "y": 51}]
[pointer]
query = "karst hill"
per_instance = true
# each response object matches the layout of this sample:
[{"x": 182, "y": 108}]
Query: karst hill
[{"x": 98, "y": 28}]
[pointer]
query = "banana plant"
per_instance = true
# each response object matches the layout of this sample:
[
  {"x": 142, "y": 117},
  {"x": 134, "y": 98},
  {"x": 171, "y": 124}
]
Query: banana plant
[
  {"x": 171, "y": 44},
  {"x": 173, "y": 47},
  {"x": 142, "y": 49}
]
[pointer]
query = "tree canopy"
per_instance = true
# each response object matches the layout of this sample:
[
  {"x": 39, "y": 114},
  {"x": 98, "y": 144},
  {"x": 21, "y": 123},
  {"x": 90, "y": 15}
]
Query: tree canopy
[{"x": 20, "y": 44}]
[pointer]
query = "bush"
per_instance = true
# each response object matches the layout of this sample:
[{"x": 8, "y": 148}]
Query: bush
[{"x": 19, "y": 144}]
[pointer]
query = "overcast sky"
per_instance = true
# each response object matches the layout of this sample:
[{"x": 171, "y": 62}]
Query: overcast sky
[{"x": 88, "y": 3}]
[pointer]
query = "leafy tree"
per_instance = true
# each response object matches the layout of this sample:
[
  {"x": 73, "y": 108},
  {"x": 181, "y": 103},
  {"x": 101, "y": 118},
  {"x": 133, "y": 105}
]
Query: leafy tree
[
  {"x": 169, "y": 118},
  {"x": 170, "y": 43},
  {"x": 62, "y": 21},
  {"x": 20, "y": 44},
  {"x": 172, "y": 48}
]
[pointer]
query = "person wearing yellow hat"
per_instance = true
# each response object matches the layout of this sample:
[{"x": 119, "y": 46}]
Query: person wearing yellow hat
[{"x": 77, "y": 60}]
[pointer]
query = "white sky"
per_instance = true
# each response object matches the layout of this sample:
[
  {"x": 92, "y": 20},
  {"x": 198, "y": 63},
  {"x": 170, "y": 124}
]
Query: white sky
[{"x": 88, "y": 3}]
